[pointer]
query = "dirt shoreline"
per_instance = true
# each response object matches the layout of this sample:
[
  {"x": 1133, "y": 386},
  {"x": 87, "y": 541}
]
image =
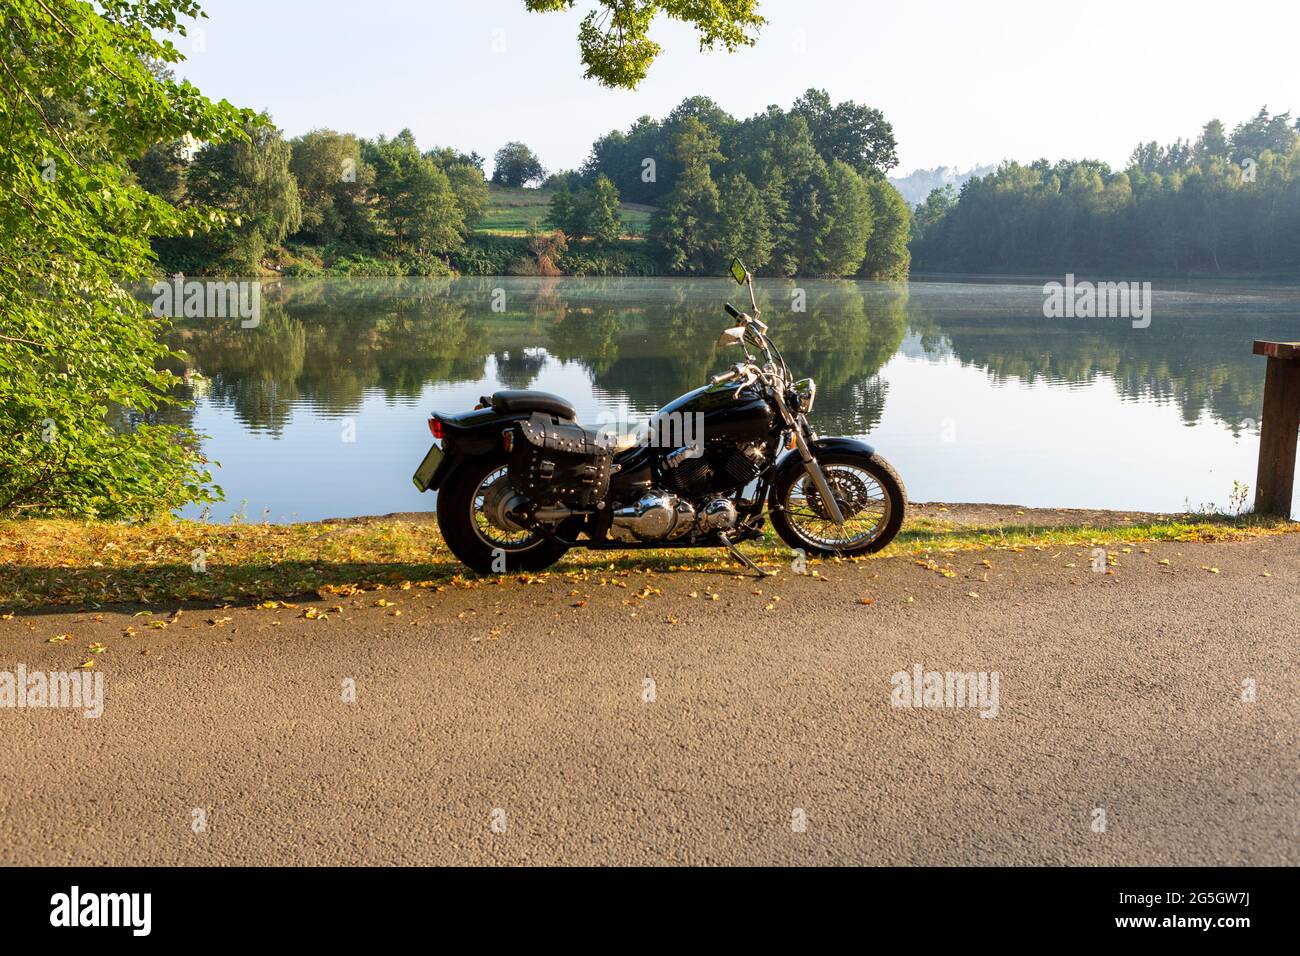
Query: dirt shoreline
[{"x": 962, "y": 514}]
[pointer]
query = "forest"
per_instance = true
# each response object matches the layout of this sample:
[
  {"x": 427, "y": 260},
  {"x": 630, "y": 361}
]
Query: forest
[
  {"x": 793, "y": 192},
  {"x": 1227, "y": 203}
]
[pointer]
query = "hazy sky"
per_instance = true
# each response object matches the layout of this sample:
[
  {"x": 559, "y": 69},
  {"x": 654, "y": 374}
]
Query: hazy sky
[{"x": 963, "y": 83}]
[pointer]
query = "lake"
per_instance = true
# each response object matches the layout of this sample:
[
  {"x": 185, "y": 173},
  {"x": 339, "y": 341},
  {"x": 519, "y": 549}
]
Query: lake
[{"x": 320, "y": 411}]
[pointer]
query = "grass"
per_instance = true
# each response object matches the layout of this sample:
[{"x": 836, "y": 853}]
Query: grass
[
  {"x": 512, "y": 212},
  {"x": 49, "y": 563}
]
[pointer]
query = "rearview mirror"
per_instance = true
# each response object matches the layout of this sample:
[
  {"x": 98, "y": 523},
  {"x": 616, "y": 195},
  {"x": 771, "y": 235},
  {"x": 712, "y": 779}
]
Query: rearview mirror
[
  {"x": 738, "y": 271},
  {"x": 732, "y": 336}
]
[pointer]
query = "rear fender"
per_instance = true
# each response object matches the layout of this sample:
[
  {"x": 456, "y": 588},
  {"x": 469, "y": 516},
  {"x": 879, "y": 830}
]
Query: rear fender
[{"x": 466, "y": 435}]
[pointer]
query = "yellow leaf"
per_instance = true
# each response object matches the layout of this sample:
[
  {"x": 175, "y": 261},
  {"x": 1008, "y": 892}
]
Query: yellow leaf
[{"x": 58, "y": 638}]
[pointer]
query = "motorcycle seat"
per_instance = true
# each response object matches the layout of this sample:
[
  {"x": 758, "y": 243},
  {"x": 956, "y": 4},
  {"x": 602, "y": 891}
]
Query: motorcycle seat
[{"x": 512, "y": 401}]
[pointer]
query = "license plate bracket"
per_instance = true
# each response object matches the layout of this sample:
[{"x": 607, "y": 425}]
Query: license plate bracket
[{"x": 423, "y": 476}]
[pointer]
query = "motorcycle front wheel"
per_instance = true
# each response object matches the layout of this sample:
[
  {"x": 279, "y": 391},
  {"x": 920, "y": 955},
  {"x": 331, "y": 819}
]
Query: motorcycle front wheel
[
  {"x": 869, "y": 493},
  {"x": 472, "y": 536}
]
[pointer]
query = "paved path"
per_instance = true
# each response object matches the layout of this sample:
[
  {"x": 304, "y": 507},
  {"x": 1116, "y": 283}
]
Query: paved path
[{"x": 1120, "y": 692}]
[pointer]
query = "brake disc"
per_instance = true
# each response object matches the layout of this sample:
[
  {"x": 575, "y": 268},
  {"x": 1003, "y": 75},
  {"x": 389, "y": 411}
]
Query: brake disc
[{"x": 850, "y": 491}]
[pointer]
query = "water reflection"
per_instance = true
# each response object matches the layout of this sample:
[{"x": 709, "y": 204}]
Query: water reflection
[{"x": 383, "y": 351}]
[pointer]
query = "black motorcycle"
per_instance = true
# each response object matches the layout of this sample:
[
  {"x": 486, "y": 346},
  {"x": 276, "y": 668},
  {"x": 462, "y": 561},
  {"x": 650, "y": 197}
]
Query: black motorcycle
[{"x": 520, "y": 482}]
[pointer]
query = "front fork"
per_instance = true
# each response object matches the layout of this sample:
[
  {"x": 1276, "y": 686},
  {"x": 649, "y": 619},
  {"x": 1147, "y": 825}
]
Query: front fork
[{"x": 814, "y": 470}]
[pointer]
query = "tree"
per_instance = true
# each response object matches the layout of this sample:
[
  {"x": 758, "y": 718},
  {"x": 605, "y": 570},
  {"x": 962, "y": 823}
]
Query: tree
[
  {"x": 684, "y": 228},
  {"x": 598, "y": 211},
  {"x": 80, "y": 358},
  {"x": 845, "y": 242},
  {"x": 162, "y": 170},
  {"x": 335, "y": 184},
  {"x": 743, "y": 229},
  {"x": 1213, "y": 143},
  {"x": 850, "y": 132},
  {"x": 470, "y": 189},
  {"x": 636, "y": 162},
  {"x": 416, "y": 200},
  {"x": 888, "y": 256},
  {"x": 930, "y": 213},
  {"x": 516, "y": 165},
  {"x": 250, "y": 179},
  {"x": 615, "y": 42},
  {"x": 446, "y": 157},
  {"x": 560, "y": 212}
]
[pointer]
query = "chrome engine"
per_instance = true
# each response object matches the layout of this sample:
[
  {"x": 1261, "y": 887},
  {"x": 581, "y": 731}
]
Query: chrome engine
[{"x": 660, "y": 516}]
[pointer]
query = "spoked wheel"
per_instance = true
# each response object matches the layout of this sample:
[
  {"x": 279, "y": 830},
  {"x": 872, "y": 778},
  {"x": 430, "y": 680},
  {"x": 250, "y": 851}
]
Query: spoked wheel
[
  {"x": 473, "y": 517},
  {"x": 870, "y": 496}
]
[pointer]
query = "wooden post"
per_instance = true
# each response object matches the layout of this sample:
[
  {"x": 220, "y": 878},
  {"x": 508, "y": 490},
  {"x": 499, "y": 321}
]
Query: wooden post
[{"x": 1278, "y": 428}]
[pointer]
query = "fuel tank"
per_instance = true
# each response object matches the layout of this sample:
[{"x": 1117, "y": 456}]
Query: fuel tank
[{"x": 730, "y": 415}]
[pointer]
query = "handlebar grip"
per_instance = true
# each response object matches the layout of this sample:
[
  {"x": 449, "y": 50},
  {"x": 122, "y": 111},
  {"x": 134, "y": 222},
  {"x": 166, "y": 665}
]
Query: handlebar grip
[{"x": 731, "y": 310}]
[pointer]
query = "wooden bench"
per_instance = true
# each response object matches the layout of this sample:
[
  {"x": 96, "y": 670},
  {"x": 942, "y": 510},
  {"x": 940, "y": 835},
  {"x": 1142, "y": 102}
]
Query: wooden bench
[{"x": 1278, "y": 428}]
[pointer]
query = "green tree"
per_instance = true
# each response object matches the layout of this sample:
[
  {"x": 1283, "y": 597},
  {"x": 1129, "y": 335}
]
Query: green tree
[
  {"x": 162, "y": 170},
  {"x": 615, "y": 38},
  {"x": 470, "y": 189},
  {"x": 516, "y": 165},
  {"x": 416, "y": 200},
  {"x": 335, "y": 184},
  {"x": 743, "y": 228},
  {"x": 250, "y": 179},
  {"x": 560, "y": 210},
  {"x": 845, "y": 242},
  {"x": 850, "y": 132},
  {"x": 888, "y": 255},
  {"x": 684, "y": 228},
  {"x": 80, "y": 358},
  {"x": 598, "y": 210}
]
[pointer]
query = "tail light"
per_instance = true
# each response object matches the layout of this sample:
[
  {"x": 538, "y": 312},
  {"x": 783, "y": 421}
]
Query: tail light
[{"x": 435, "y": 428}]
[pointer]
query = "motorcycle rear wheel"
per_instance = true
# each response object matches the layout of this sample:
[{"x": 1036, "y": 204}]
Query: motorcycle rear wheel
[{"x": 473, "y": 539}]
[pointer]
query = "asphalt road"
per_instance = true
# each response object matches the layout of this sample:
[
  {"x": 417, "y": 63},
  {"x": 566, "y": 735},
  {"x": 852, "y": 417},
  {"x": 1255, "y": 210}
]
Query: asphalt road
[{"x": 508, "y": 708}]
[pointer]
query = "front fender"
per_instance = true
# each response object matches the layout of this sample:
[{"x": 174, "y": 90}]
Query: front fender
[{"x": 790, "y": 462}]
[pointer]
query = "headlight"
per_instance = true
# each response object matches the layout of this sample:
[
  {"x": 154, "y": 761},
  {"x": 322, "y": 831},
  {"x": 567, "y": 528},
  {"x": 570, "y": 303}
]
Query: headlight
[{"x": 806, "y": 391}]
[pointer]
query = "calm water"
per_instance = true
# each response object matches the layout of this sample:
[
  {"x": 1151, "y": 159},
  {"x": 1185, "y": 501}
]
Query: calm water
[{"x": 971, "y": 393}]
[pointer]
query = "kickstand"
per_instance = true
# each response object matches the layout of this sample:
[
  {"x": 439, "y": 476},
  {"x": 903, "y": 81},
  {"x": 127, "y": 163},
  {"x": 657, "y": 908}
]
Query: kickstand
[{"x": 735, "y": 553}]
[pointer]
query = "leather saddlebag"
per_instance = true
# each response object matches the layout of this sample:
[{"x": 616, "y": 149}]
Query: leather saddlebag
[{"x": 559, "y": 462}]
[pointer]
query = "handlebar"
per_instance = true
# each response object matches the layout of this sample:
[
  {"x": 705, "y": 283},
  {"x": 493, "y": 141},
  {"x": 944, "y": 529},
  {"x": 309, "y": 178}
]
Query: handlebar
[{"x": 744, "y": 317}]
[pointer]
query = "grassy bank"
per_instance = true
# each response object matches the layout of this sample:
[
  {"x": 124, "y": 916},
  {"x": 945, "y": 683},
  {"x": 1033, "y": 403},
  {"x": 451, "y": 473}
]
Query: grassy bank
[
  {"x": 513, "y": 212},
  {"x": 84, "y": 564}
]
